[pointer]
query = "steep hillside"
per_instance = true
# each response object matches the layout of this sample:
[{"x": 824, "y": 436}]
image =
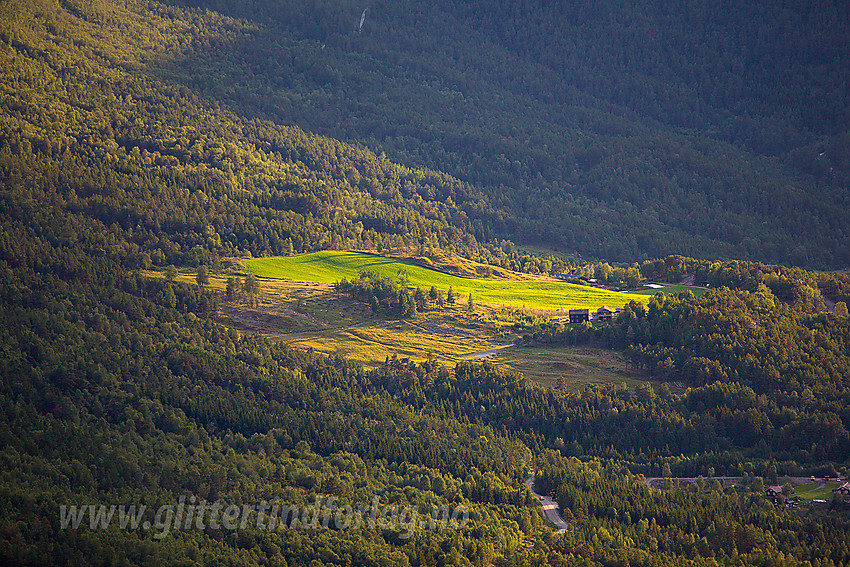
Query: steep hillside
[
  {"x": 623, "y": 133},
  {"x": 617, "y": 130},
  {"x": 160, "y": 175}
]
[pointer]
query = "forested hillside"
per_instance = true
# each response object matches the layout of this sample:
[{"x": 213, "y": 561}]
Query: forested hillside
[
  {"x": 139, "y": 135},
  {"x": 623, "y": 133},
  {"x": 125, "y": 390},
  {"x": 175, "y": 178},
  {"x": 617, "y": 130}
]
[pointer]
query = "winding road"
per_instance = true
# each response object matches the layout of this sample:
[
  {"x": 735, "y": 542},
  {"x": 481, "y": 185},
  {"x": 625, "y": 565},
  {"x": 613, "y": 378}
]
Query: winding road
[{"x": 550, "y": 507}]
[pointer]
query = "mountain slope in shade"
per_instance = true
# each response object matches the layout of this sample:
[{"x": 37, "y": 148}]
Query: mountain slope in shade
[{"x": 617, "y": 130}]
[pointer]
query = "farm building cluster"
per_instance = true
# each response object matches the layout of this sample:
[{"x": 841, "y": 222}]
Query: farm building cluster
[{"x": 604, "y": 313}]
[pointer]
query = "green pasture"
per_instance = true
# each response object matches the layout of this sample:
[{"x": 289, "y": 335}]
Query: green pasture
[
  {"x": 815, "y": 490},
  {"x": 670, "y": 289},
  {"x": 332, "y": 266}
]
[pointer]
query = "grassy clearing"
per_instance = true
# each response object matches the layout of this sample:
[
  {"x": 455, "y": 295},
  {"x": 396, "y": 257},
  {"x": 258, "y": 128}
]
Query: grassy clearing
[
  {"x": 310, "y": 315},
  {"x": 372, "y": 344},
  {"x": 812, "y": 490},
  {"x": 670, "y": 289},
  {"x": 573, "y": 367},
  {"x": 332, "y": 266}
]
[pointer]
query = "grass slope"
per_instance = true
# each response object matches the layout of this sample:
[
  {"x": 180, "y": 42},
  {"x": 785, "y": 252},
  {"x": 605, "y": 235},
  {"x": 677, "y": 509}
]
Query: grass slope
[
  {"x": 573, "y": 368},
  {"x": 332, "y": 266},
  {"x": 668, "y": 289}
]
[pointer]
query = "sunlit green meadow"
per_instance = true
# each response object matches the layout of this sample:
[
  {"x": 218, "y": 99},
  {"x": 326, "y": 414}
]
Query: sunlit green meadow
[{"x": 332, "y": 266}]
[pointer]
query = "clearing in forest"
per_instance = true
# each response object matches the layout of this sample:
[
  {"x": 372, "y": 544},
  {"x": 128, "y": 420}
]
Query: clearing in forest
[{"x": 542, "y": 294}]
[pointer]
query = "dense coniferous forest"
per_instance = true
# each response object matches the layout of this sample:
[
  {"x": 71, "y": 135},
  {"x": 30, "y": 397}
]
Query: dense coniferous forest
[
  {"x": 139, "y": 135},
  {"x": 619, "y": 130}
]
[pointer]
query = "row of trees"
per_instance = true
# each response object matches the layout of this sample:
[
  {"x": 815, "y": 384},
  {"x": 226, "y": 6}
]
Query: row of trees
[
  {"x": 236, "y": 287},
  {"x": 382, "y": 293}
]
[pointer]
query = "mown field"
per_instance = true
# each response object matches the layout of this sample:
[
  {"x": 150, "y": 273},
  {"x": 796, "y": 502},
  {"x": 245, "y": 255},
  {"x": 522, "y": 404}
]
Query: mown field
[
  {"x": 815, "y": 490},
  {"x": 571, "y": 368},
  {"x": 332, "y": 266},
  {"x": 668, "y": 289}
]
